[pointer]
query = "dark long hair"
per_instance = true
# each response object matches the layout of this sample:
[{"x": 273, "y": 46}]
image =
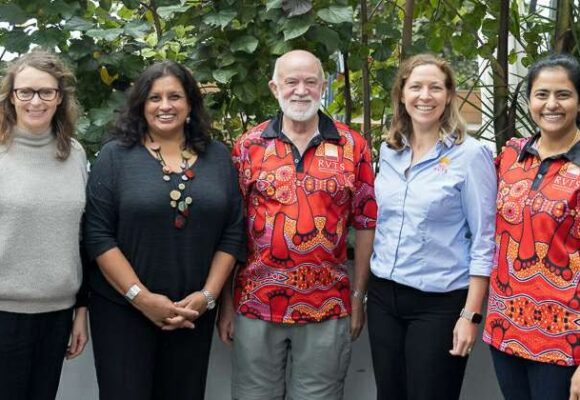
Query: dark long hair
[
  {"x": 565, "y": 61},
  {"x": 131, "y": 126},
  {"x": 65, "y": 117}
]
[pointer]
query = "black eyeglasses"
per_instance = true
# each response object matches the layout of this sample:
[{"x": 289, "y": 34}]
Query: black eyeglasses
[{"x": 27, "y": 94}]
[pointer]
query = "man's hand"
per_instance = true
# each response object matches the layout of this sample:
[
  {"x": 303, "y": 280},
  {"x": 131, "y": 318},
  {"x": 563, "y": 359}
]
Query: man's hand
[
  {"x": 357, "y": 318},
  {"x": 225, "y": 322},
  {"x": 464, "y": 336}
]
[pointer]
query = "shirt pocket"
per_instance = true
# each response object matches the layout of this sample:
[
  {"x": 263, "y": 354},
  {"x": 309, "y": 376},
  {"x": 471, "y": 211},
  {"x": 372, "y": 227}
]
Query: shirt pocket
[{"x": 445, "y": 201}]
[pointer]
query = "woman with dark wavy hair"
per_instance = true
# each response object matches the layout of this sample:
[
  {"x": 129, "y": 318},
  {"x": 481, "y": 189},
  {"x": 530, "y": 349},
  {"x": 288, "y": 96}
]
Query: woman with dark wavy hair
[
  {"x": 164, "y": 223},
  {"x": 42, "y": 197}
]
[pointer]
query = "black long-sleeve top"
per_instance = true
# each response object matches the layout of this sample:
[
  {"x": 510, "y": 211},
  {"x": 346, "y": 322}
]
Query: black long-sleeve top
[{"x": 128, "y": 207}]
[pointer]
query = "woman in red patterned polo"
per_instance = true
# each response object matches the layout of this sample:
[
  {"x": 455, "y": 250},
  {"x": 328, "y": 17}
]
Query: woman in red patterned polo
[{"x": 533, "y": 320}]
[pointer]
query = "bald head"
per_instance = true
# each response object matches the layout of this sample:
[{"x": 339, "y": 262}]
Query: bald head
[
  {"x": 296, "y": 60},
  {"x": 298, "y": 83}
]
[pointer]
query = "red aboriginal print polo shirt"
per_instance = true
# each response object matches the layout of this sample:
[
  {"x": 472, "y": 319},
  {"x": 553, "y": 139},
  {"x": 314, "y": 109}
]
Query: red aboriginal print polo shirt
[
  {"x": 534, "y": 300},
  {"x": 298, "y": 209}
]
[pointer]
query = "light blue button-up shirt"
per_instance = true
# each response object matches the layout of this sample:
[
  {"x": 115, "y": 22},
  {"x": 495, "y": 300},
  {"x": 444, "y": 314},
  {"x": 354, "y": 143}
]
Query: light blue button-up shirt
[{"x": 436, "y": 219}]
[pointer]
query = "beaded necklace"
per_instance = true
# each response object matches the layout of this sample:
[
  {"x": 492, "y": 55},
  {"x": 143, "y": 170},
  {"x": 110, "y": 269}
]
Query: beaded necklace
[{"x": 178, "y": 201}]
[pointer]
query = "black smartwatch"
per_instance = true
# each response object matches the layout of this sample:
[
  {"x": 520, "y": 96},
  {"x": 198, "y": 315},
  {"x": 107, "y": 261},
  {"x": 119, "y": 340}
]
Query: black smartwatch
[{"x": 471, "y": 316}]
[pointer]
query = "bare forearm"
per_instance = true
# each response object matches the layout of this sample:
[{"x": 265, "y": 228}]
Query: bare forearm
[
  {"x": 227, "y": 294},
  {"x": 476, "y": 293},
  {"x": 362, "y": 255},
  {"x": 221, "y": 268},
  {"x": 117, "y": 270}
]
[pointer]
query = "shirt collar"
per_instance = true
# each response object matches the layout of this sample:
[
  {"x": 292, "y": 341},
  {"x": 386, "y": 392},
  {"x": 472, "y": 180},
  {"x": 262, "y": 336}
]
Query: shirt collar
[
  {"x": 326, "y": 127},
  {"x": 448, "y": 139},
  {"x": 530, "y": 149}
]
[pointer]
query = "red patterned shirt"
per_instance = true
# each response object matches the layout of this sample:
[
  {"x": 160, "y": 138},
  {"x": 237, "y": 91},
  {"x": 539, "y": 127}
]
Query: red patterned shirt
[
  {"x": 298, "y": 209},
  {"x": 534, "y": 301}
]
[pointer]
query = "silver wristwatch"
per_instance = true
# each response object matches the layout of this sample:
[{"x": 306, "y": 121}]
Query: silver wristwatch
[
  {"x": 132, "y": 292},
  {"x": 359, "y": 295},
  {"x": 210, "y": 300}
]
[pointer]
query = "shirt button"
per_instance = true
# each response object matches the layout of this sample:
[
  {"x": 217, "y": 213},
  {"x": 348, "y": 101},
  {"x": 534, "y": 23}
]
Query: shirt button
[
  {"x": 540, "y": 176},
  {"x": 296, "y": 161}
]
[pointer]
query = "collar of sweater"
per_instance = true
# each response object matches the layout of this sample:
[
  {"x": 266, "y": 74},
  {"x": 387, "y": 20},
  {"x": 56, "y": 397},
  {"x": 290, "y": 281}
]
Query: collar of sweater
[{"x": 27, "y": 138}]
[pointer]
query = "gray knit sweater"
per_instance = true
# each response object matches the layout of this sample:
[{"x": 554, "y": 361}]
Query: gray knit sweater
[{"x": 41, "y": 203}]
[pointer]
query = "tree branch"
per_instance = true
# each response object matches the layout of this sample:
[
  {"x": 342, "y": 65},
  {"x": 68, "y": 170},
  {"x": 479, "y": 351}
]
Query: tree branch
[
  {"x": 346, "y": 91},
  {"x": 152, "y": 6},
  {"x": 407, "y": 28},
  {"x": 366, "y": 85}
]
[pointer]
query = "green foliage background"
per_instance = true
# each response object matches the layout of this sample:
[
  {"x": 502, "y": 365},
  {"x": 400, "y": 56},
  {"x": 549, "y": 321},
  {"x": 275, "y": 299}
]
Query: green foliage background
[{"x": 231, "y": 46}]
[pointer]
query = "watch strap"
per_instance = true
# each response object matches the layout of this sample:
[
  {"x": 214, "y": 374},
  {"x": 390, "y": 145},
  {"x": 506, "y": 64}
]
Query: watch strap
[
  {"x": 471, "y": 316},
  {"x": 359, "y": 295},
  {"x": 132, "y": 292},
  {"x": 209, "y": 298}
]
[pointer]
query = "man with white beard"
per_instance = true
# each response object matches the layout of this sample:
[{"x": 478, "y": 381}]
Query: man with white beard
[{"x": 304, "y": 178}]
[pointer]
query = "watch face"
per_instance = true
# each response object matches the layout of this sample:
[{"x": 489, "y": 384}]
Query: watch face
[
  {"x": 133, "y": 292},
  {"x": 476, "y": 318},
  {"x": 210, "y": 300}
]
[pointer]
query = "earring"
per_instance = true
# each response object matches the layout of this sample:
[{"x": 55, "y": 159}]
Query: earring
[{"x": 187, "y": 120}]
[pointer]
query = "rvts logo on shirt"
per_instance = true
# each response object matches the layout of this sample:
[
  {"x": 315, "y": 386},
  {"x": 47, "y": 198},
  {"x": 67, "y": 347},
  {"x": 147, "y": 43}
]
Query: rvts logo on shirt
[
  {"x": 567, "y": 178},
  {"x": 329, "y": 163}
]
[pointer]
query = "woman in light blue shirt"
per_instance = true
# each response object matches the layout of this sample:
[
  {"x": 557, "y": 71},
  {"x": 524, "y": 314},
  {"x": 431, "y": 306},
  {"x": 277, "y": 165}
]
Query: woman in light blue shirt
[{"x": 434, "y": 242}]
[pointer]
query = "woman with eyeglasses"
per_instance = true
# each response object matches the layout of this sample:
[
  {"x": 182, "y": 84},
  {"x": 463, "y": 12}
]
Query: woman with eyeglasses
[{"x": 42, "y": 198}]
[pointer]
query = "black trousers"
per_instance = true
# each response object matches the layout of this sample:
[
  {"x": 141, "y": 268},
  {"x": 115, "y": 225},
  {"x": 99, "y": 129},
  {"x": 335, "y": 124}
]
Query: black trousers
[
  {"x": 32, "y": 350},
  {"x": 522, "y": 379},
  {"x": 136, "y": 360},
  {"x": 411, "y": 333}
]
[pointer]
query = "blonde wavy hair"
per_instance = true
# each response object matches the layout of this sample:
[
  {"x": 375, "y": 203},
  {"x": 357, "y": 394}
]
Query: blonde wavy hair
[
  {"x": 401, "y": 126},
  {"x": 64, "y": 120}
]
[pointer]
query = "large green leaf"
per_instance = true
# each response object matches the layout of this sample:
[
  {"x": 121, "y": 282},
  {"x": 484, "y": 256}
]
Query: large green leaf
[
  {"x": 78, "y": 24},
  {"x": 383, "y": 51},
  {"x": 16, "y": 41},
  {"x": 328, "y": 37},
  {"x": 280, "y": 47},
  {"x": 436, "y": 42},
  {"x": 137, "y": 28},
  {"x": 245, "y": 43},
  {"x": 388, "y": 28},
  {"x": 167, "y": 37},
  {"x": 336, "y": 14},
  {"x": 131, "y": 3},
  {"x": 105, "y": 4},
  {"x": 13, "y": 14},
  {"x": 79, "y": 49},
  {"x": 62, "y": 8},
  {"x": 272, "y": 4},
  {"x": 221, "y": 18},
  {"x": 489, "y": 27},
  {"x": 106, "y": 34},
  {"x": 48, "y": 38},
  {"x": 246, "y": 92},
  {"x": 296, "y": 27},
  {"x": 226, "y": 59},
  {"x": 224, "y": 76},
  {"x": 296, "y": 7},
  {"x": 101, "y": 116},
  {"x": 168, "y": 11}
]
